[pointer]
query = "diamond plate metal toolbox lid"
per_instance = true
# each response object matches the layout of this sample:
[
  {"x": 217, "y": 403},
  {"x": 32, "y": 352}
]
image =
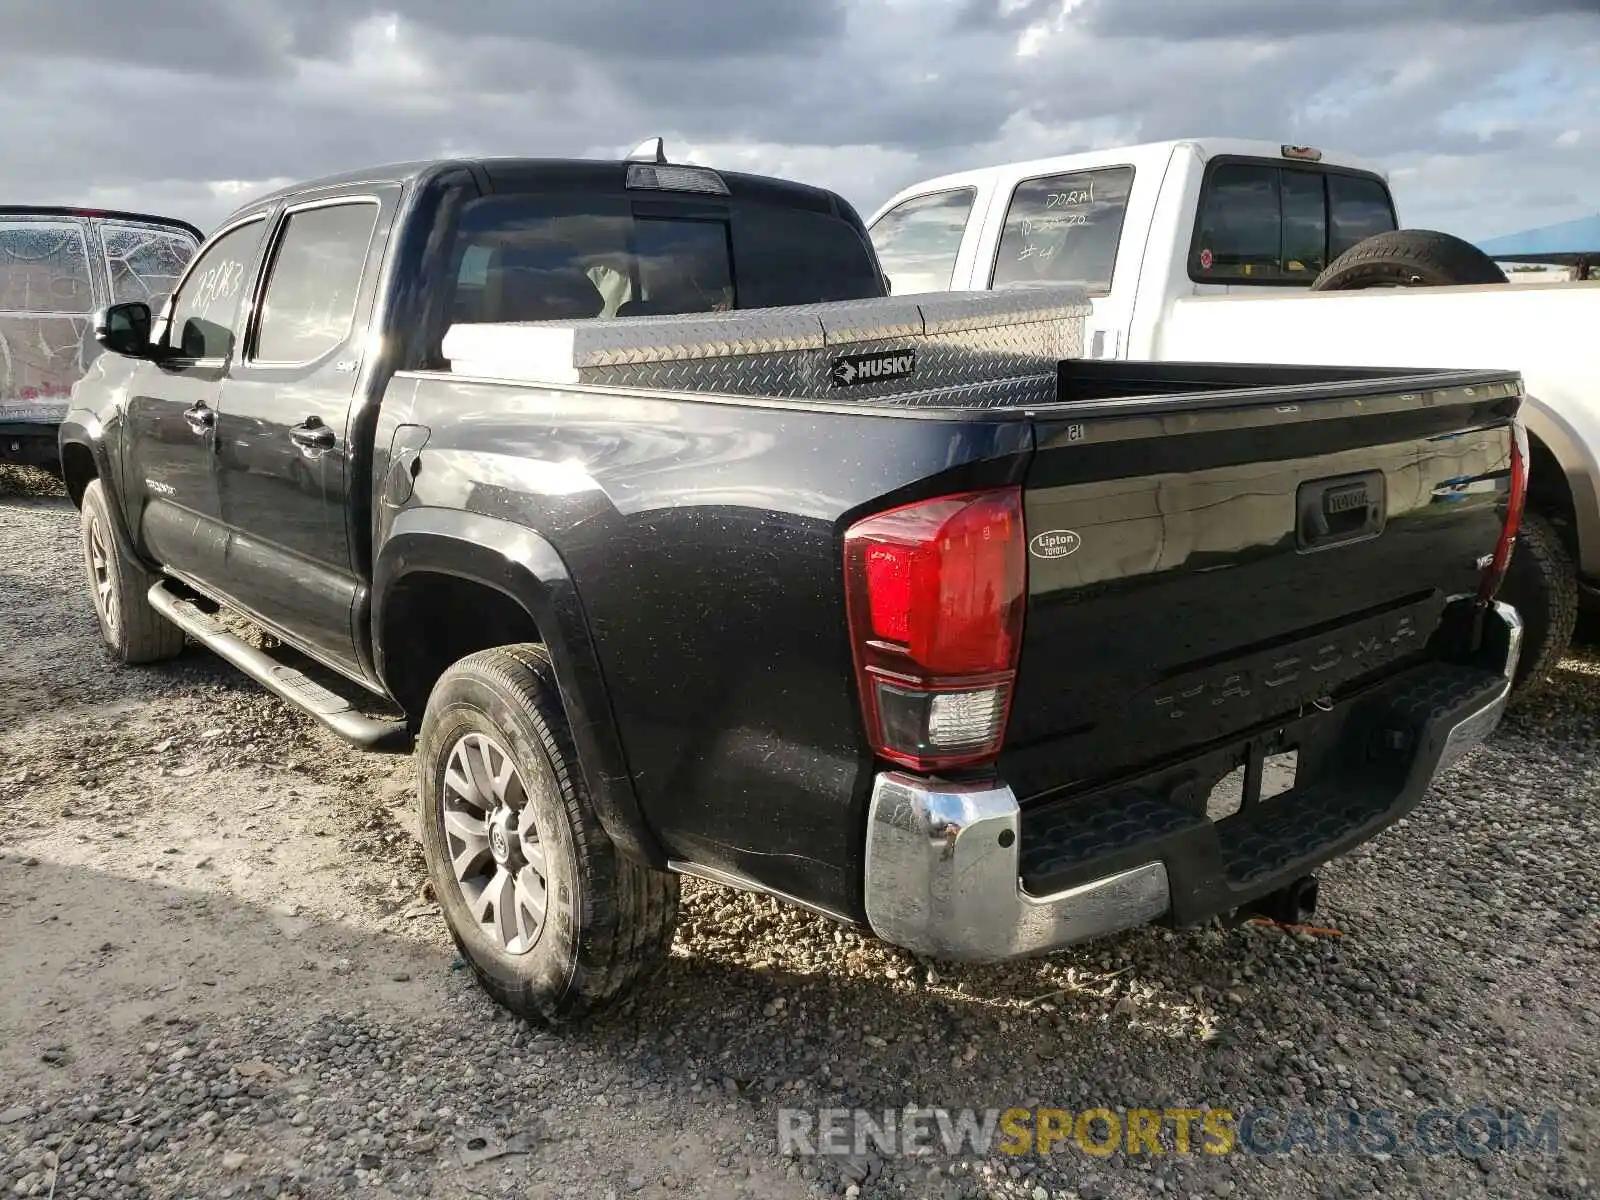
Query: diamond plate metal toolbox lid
[{"x": 889, "y": 349}]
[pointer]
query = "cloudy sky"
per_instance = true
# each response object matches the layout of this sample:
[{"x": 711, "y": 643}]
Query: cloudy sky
[{"x": 1487, "y": 112}]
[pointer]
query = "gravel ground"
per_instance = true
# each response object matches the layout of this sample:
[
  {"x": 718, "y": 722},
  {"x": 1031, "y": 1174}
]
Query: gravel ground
[{"x": 223, "y": 979}]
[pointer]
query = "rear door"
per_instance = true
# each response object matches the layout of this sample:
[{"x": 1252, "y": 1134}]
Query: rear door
[
  {"x": 1068, "y": 228},
  {"x": 284, "y": 442},
  {"x": 170, "y": 486}
]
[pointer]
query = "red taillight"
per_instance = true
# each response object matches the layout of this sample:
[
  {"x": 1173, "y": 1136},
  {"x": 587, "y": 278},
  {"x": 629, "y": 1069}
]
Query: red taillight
[
  {"x": 1494, "y": 574},
  {"x": 935, "y": 593}
]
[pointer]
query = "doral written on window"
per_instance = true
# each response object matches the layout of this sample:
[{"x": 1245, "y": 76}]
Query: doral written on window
[{"x": 1064, "y": 229}]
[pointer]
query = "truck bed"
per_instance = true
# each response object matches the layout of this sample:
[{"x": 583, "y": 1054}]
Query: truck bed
[{"x": 703, "y": 530}]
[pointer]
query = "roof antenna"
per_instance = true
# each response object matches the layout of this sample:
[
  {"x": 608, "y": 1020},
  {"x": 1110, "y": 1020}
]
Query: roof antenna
[{"x": 650, "y": 150}]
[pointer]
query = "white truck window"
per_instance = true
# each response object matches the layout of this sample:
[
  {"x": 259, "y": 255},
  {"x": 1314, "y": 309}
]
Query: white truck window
[
  {"x": 1064, "y": 229},
  {"x": 1360, "y": 207},
  {"x": 1240, "y": 230},
  {"x": 1305, "y": 224},
  {"x": 918, "y": 239},
  {"x": 1262, "y": 223}
]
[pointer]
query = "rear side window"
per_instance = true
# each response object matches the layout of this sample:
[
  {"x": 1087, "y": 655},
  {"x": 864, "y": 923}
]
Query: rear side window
[
  {"x": 918, "y": 239},
  {"x": 545, "y": 258},
  {"x": 44, "y": 268},
  {"x": 143, "y": 262},
  {"x": 1064, "y": 229},
  {"x": 310, "y": 303},
  {"x": 1261, "y": 223}
]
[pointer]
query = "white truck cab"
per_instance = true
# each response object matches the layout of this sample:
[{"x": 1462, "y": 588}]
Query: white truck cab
[
  {"x": 1128, "y": 223},
  {"x": 1208, "y": 250}
]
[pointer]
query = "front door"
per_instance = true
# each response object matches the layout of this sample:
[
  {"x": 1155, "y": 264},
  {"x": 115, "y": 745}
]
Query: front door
[
  {"x": 283, "y": 434},
  {"x": 170, "y": 484}
]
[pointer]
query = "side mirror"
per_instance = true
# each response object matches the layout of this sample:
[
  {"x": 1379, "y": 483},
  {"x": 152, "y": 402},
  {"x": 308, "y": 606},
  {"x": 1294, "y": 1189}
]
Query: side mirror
[{"x": 125, "y": 329}]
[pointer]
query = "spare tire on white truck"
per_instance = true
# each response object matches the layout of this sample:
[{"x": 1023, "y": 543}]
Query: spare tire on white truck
[{"x": 1542, "y": 583}]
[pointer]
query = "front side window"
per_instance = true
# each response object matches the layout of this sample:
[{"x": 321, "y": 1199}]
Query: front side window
[
  {"x": 205, "y": 312},
  {"x": 310, "y": 302},
  {"x": 142, "y": 261},
  {"x": 918, "y": 239},
  {"x": 44, "y": 268},
  {"x": 1064, "y": 229}
]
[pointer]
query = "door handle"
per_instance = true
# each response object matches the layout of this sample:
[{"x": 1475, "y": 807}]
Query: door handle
[
  {"x": 312, "y": 434},
  {"x": 200, "y": 418}
]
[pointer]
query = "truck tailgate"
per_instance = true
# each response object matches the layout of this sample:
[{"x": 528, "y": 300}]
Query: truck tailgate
[{"x": 1204, "y": 565}]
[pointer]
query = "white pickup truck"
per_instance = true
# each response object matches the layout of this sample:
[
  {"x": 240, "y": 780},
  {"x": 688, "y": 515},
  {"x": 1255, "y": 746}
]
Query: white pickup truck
[{"x": 1224, "y": 250}]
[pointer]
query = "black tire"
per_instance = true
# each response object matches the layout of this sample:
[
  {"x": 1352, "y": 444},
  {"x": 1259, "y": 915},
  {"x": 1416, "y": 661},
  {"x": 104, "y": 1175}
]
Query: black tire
[
  {"x": 119, "y": 587},
  {"x": 608, "y": 921},
  {"x": 1542, "y": 585},
  {"x": 1408, "y": 258}
]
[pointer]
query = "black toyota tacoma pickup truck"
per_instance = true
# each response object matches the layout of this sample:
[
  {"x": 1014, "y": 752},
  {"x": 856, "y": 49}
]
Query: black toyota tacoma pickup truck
[{"x": 623, "y": 494}]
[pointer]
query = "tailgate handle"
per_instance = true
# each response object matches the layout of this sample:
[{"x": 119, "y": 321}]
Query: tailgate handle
[{"x": 1331, "y": 512}]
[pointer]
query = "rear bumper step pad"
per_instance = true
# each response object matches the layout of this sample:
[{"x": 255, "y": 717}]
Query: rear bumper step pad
[
  {"x": 1361, "y": 769},
  {"x": 957, "y": 869}
]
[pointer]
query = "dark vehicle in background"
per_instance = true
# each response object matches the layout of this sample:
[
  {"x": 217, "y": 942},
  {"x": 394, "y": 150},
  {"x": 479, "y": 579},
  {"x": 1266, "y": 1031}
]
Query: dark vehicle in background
[
  {"x": 623, "y": 495},
  {"x": 57, "y": 266}
]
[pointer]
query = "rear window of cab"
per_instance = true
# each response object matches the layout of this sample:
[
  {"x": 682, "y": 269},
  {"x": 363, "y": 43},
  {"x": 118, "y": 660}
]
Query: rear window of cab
[{"x": 1266, "y": 222}]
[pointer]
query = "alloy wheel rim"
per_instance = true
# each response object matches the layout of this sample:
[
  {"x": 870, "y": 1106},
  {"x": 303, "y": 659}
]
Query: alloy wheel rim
[
  {"x": 495, "y": 852},
  {"x": 105, "y": 598}
]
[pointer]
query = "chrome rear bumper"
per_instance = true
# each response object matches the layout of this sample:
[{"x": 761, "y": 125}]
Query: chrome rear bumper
[
  {"x": 943, "y": 859},
  {"x": 942, "y": 877}
]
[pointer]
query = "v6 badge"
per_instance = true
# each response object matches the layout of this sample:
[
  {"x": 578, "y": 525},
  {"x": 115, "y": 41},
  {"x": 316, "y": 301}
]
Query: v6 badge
[{"x": 852, "y": 369}]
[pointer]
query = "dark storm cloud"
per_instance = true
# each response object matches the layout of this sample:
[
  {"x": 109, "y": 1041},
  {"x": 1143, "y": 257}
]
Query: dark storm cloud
[
  {"x": 1166, "y": 19},
  {"x": 236, "y": 36},
  {"x": 1277, "y": 18},
  {"x": 680, "y": 29},
  {"x": 195, "y": 102},
  {"x": 213, "y": 37}
]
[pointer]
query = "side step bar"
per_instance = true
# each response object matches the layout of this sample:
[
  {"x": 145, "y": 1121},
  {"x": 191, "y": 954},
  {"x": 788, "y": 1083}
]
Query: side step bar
[{"x": 299, "y": 689}]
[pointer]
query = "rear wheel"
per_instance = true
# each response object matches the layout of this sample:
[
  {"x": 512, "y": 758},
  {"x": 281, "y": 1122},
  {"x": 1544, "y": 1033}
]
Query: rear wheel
[
  {"x": 1542, "y": 585},
  {"x": 1408, "y": 258},
  {"x": 554, "y": 922},
  {"x": 119, "y": 585}
]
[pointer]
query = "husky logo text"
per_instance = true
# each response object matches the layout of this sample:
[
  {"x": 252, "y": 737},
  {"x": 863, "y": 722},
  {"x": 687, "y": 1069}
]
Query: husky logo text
[{"x": 851, "y": 369}]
